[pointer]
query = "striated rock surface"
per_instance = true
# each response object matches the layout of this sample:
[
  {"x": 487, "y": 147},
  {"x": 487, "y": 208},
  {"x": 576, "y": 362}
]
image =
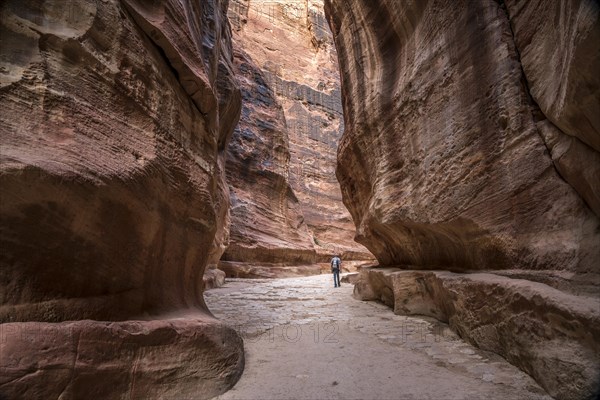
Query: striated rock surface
[
  {"x": 291, "y": 45},
  {"x": 576, "y": 162},
  {"x": 253, "y": 270},
  {"x": 267, "y": 225},
  {"x": 441, "y": 163},
  {"x": 115, "y": 116},
  {"x": 447, "y": 163},
  {"x": 559, "y": 50}
]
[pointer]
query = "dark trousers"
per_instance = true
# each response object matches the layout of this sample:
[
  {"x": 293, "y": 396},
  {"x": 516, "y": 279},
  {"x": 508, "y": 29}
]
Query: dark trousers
[{"x": 336, "y": 277}]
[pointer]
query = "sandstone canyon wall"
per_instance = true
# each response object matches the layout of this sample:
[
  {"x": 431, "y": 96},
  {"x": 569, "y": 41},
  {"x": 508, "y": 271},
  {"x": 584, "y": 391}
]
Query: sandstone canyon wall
[
  {"x": 268, "y": 235},
  {"x": 470, "y": 144},
  {"x": 560, "y": 54},
  {"x": 291, "y": 50},
  {"x": 115, "y": 116}
]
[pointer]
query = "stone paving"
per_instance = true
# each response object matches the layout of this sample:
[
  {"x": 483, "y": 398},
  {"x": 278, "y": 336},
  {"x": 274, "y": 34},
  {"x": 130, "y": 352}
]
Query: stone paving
[{"x": 305, "y": 339}]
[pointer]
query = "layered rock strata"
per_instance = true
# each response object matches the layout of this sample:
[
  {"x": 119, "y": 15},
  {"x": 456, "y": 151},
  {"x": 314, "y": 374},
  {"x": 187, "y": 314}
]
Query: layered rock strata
[
  {"x": 291, "y": 45},
  {"x": 467, "y": 149},
  {"x": 115, "y": 116},
  {"x": 267, "y": 224}
]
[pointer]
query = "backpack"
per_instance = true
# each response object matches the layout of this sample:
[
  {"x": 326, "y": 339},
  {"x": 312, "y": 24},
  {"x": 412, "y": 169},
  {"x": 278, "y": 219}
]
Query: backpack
[{"x": 336, "y": 263}]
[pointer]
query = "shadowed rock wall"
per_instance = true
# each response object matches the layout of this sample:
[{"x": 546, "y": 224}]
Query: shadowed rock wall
[
  {"x": 442, "y": 163},
  {"x": 559, "y": 52},
  {"x": 115, "y": 116},
  {"x": 469, "y": 145}
]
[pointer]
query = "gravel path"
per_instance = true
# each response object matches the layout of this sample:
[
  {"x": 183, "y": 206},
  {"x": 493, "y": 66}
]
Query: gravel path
[{"x": 305, "y": 339}]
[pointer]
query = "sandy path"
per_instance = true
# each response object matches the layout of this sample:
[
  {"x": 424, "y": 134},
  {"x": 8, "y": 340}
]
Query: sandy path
[{"x": 305, "y": 339}]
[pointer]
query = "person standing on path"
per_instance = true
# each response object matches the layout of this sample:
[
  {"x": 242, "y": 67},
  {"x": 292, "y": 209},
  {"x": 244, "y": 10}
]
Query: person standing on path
[{"x": 336, "y": 264}]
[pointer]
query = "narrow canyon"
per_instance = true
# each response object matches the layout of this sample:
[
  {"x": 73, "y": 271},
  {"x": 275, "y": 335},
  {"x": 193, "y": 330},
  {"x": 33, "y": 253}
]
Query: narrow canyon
[{"x": 176, "y": 172}]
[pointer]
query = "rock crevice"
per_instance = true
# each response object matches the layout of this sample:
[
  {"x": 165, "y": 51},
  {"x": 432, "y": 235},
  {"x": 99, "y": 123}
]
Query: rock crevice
[{"x": 576, "y": 162}]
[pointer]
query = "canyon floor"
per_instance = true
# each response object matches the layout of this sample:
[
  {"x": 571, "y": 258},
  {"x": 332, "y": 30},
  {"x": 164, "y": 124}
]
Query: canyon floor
[{"x": 305, "y": 339}]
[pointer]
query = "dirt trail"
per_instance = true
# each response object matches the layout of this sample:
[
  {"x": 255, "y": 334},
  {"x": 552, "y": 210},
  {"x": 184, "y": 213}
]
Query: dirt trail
[{"x": 305, "y": 339}]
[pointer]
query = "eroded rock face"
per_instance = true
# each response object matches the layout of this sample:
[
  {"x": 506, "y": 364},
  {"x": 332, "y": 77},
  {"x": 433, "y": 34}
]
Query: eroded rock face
[
  {"x": 559, "y": 50},
  {"x": 560, "y": 54},
  {"x": 253, "y": 270},
  {"x": 126, "y": 359},
  {"x": 441, "y": 163},
  {"x": 551, "y": 334},
  {"x": 267, "y": 225},
  {"x": 576, "y": 162},
  {"x": 114, "y": 117},
  {"x": 448, "y": 163},
  {"x": 292, "y": 47}
]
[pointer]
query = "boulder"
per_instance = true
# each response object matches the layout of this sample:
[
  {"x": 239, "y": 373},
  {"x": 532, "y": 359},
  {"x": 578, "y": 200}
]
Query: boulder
[
  {"x": 181, "y": 358},
  {"x": 351, "y": 278},
  {"x": 213, "y": 278}
]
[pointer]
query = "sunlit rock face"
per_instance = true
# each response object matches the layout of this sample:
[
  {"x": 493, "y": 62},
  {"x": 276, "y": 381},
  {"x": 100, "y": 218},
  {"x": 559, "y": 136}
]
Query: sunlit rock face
[
  {"x": 267, "y": 226},
  {"x": 291, "y": 45},
  {"x": 115, "y": 117},
  {"x": 448, "y": 163}
]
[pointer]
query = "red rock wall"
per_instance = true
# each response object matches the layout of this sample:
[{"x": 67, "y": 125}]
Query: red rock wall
[
  {"x": 441, "y": 163},
  {"x": 470, "y": 144},
  {"x": 559, "y": 52},
  {"x": 291, "y": 45},
  {"x": 267, "y": 225},
  {"x": 115, "y": 116}
]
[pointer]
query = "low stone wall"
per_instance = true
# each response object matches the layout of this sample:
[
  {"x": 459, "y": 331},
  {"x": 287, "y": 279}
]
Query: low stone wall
[
  {"x": 552, "y": 335},
  {"x": 266, "y": 270}
]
